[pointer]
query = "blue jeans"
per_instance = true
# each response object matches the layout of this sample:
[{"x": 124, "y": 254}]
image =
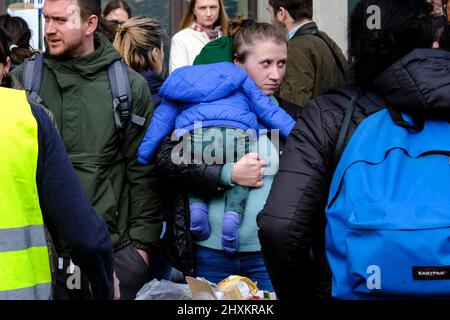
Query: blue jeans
[{"x": 216, "y": 265}]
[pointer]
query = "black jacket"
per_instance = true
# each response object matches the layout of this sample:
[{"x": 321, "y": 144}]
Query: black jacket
[
  {"x": 181, "y": 180},
  {"x": 292, "y": 223}
]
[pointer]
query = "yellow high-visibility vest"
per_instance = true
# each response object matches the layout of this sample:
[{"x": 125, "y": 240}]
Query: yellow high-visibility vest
[{"x": 24, "y": 259}]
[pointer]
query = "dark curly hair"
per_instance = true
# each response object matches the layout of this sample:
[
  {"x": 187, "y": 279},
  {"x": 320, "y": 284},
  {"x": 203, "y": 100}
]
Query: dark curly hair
[
  {"x": 18, "y": 34},
  {"x": 4, "y": 51},
  {"x": 405, "y": 25}
]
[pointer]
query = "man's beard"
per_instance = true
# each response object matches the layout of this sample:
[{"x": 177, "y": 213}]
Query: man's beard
[{"x": 69, "y": 52}]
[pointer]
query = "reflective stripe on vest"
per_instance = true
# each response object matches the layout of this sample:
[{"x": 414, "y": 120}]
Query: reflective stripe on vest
[
  {"x": 22, "y": 238},
  {"x": 38, "y": 292},
  {"x": 24, "y": 260}
]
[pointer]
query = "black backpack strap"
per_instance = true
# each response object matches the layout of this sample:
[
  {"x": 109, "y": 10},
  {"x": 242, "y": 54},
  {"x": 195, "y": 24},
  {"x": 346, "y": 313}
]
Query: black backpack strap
[
  {"x": 350, "y": 109},
  {"x": 32, "y": 73},
  {"x": 122, "y": 97},
  {"x": 397, "y": 117},
  {"x": 315, "y": 32},
  {"x": 306, "y": 32},
  {"x": 121, "y": 93},
  {"x": 35, "y": 105}
]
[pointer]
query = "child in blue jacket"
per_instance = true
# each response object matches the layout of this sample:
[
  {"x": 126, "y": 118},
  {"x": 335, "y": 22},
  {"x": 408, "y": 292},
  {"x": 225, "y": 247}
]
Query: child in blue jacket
[{"x": 222, "y": 98}]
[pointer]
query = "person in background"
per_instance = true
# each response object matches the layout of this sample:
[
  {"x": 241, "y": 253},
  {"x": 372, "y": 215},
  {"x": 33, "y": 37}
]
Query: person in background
[
  {"x": 445, "y": 37},
  {"x": 440, "y": 22},
  {"x": 18, "y": 36},
  {"x": 205, "y": 20},
  {"x": 32, "y": 195},
  {"x": 140, "y": 43},
  {"x": 5, "y": 61},
  {"x": 446, "y": 8},
  {"x": 315, "y": 62},
  {"x": 117, "y": 11}
]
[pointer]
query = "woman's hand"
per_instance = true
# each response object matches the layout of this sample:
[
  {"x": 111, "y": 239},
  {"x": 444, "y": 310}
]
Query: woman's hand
[
  {"x": 144, "y": 256},
  {"x": 116, "y": 287},
  {"x": 248, "y": 171}
]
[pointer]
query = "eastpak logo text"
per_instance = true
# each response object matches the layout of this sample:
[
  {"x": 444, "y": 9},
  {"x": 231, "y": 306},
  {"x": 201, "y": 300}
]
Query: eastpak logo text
[{"x": 431, "y": 273}]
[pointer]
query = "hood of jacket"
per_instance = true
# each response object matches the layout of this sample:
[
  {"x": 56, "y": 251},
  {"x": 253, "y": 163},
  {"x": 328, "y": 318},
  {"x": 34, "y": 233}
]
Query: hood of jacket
[
  {"x": 203, "y": 83},
  {"x": 89, "y": 66},
  {"x": 154, "y": 80},
  {"x": 419, "y": 83}
]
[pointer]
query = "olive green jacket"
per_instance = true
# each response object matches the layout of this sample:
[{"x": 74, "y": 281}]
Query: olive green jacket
[
  {"x": 121, "y": 190},
  {"x": 311, "y": 67}
]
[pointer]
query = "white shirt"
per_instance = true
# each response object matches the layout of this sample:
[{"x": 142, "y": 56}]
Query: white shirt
[
  {"x": 294, "y": 31},
  {"x": 185, "y": 47}
]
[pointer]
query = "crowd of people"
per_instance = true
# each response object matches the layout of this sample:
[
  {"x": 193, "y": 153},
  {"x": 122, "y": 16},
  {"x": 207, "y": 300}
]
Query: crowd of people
[{"x": 264, "y": 152}]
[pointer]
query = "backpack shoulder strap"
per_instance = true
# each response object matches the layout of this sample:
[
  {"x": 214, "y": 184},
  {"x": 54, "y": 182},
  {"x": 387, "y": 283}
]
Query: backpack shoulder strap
[
  {"x": 121, "y": 94},
  {"x": 32, "y": 73},
  {"x": 306, "y": 32},
  {"x": 36, "y": 105},
  {"x": 315, "y": 32},
  {"x": 342, "y": 137}
]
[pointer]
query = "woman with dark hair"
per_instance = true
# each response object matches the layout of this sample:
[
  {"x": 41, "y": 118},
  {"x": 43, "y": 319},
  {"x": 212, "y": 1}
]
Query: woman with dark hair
[
  {"x": 117, "y": 11},
  {"x": 446, "y": 7},
  {"x": 18, "y": 36},
  {"x": 205, "y": 20},
  {"x": 395, "y": 68},
  {"x": 443, "y": 20},
  {"x": 5, "y": 61}
]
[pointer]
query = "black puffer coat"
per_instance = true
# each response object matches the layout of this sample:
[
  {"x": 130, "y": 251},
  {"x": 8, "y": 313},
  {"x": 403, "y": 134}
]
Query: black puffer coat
[
  {"x": 292, "y": 223},
  {"x": 180, "y": 180}
]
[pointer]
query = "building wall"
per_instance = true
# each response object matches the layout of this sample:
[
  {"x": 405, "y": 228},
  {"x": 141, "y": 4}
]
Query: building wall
[{"x": 330, "y": 15}]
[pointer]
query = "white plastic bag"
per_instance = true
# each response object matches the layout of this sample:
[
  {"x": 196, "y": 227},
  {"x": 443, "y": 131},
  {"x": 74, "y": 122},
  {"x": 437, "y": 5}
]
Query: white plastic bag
[{"x": 164, "y": 290}]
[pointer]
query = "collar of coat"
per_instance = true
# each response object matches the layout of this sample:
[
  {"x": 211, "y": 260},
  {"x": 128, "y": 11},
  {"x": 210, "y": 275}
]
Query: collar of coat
[
  {"x": 418, "y": 83},
  {"x": 89, "y": 66}
]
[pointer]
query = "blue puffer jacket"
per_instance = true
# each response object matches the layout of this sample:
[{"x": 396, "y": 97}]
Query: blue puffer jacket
[{"x": 218, "y": 94}]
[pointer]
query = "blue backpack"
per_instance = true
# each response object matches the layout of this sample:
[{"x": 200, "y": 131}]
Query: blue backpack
[{"x": 388, "y": 211}]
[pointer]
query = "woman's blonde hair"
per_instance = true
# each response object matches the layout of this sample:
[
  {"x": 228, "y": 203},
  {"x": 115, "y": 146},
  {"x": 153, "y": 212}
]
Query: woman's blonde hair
[
  {"x": 136, "y": 38},
  {"x": 222, "y": 21}
]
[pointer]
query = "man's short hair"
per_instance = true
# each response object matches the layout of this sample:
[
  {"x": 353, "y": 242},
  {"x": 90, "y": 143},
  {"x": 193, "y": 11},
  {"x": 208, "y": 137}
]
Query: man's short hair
[
  {"x": 90, "y": 8},
  {"x": 298, "y": 9}
]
